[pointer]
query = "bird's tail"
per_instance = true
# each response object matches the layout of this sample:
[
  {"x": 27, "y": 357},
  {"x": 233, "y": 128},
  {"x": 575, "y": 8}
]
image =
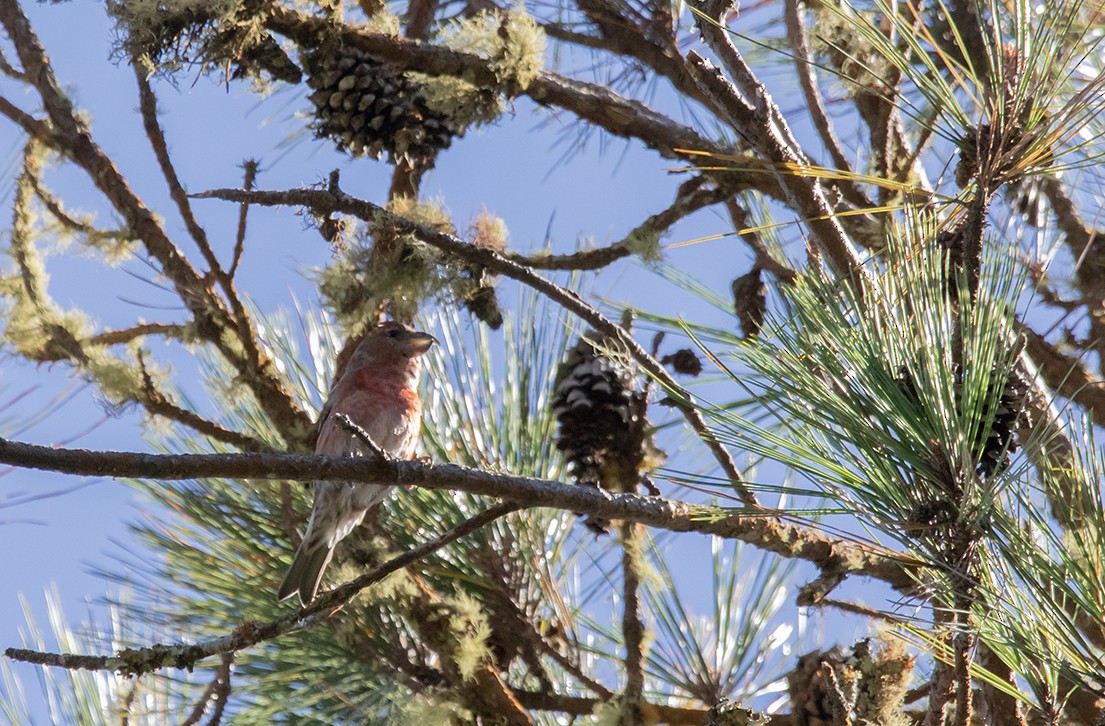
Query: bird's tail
[{"x": 305, "y": 574}]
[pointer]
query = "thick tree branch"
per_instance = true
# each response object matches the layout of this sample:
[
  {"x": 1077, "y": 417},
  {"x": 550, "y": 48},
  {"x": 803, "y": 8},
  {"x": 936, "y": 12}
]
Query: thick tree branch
[
  {"x": 762, "y": 125},
  {"x": 1064, "y": 375},
  {"x": 757, "y": 528},
  {"x": 593, "y": 103},
  {"x": 1087, "y": 248},
  {"x": 657, "y": 714}
]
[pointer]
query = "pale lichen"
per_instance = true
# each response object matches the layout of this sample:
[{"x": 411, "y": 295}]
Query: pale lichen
[
  {"x": 606, "y": 713},
  {"x": 861, "y": 67},
  {"x": 167, "y": 35},
  {"x": 384, "y": 22},
  {"x": 471, "y": 630},
  {"x": 887, "y": 672},
  {"x": 387, "y": 265},
  {"x": 513, "y": 44},
  {"x": 644, "y": 242},
  {"x": 429, "y": 707},
  {"x": 119, "y": 381},
  {"x": 489, "y": 231}
]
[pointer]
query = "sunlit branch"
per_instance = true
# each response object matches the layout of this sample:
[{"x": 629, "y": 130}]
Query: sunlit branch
[{"x": 757, "y": 527}]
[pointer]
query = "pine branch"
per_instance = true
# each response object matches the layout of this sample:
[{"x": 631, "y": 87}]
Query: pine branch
[
  {"x": 136, "y": 661},
  {"x": 686, "y": 203},
  {"x": 766, "y": 532},
  {"x": 815, "y": 104}
]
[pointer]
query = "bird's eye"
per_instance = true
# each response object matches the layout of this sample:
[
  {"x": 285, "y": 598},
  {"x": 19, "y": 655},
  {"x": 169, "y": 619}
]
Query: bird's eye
[{"x": 393, "y": 333}]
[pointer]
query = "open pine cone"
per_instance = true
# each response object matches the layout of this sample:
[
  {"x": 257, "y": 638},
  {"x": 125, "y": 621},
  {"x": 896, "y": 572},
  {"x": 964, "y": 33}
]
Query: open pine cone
[{"x": 369, "y": 107}]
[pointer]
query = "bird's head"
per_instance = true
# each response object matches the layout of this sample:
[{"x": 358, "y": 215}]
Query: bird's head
[
  {"x": 401, "y": 339},
  {"x": 390, "y": 346}
]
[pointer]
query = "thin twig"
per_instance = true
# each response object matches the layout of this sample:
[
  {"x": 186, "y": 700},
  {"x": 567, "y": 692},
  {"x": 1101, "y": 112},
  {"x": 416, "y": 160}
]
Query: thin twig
[
  {"x": 361, "y": 435},
  {"x": 158, "y": 404},
  {"x": 740, "y": 218},
  {"x": 217, "y": 692},
  {"x": 67, "y": 220},
  {"x": 126, "y": 335},
  {"x": 136, "y": 661},
  {"x": 249, "y": 177},
  {"x": 328, "y": 201},
  {"x": 633, "y": 627},
  {"x": 9, "y": 70},
  {"x": 147, "y": 107},
  {"x": 856, "y": 608},
  {"x": 31, "y": 126},
  {"x": 686, "y": 203}
]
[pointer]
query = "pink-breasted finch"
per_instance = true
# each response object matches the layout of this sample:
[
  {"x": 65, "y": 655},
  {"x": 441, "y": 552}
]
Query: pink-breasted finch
[{"x": 378, "y": 390}]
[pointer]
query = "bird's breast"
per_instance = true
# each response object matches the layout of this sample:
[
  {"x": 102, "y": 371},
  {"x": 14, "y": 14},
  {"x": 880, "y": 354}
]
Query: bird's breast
[{"x": 389, "y": 411}]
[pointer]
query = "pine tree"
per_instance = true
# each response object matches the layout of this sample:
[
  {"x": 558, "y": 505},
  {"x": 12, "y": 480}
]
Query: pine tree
[{"x": 893, "y": 373}]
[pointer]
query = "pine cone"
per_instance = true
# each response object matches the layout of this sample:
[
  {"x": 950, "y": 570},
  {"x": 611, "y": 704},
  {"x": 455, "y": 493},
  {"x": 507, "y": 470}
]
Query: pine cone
[
  {"x": 368, "y": 107},
  {"x": 750, "y": 302},
  {"x": 603, "y": 431},
  {"x": 1000, "y": 442},
  {"x": 484, "y": 304},
  {"x": 685, "y": 362}
]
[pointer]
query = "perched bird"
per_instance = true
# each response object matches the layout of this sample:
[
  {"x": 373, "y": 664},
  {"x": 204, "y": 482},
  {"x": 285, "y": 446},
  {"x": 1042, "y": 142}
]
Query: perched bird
[{"x": 378, "y": 390}]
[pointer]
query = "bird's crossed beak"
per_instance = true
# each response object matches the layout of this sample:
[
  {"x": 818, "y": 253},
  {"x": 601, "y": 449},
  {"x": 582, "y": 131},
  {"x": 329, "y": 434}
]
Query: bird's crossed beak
[{"x": 417, "y": 343}]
